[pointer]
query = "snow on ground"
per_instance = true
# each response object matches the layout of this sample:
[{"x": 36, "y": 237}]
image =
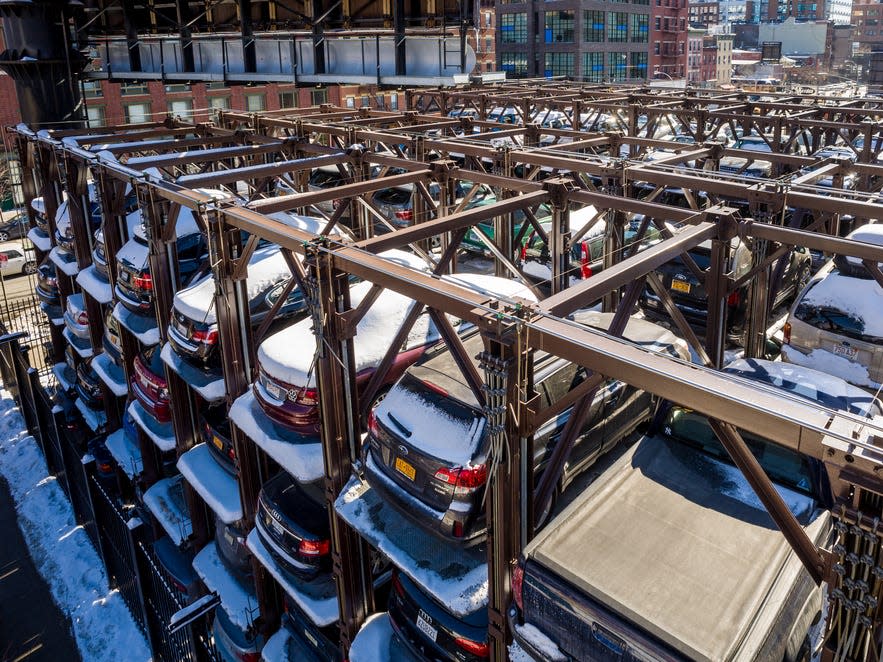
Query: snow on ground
[{"x": 62, "y": 552}]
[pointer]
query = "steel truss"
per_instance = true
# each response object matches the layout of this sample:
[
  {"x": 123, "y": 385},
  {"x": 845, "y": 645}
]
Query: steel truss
[{"x": 252, "y": 155}]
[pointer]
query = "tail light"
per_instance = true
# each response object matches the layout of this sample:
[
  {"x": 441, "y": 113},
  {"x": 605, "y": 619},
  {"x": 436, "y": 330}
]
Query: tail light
[
  {"x": 373, "y": 425},
  {"x": 523, "y": 251},
  {"x": 250, "y": 657},
  {"x": 209, "y": 337},
  {"x": 83, "y": 318},
  {"x": 397, "y": 585},
  {"x": 144, "y": 282},
  {"x": 517, "y": 579},
  {"x": 314, "y": 548},
  {"x": 477, "y": 648},
  {"x": 463, "y": 479},
  {"x": 584, "y": 256},
  {"x": 786, "y": 333},
  {"x": 734, "y": 299},
  {"x": 307, "y": 396},
  {"x": 105, "y": 467},
  {"x": 231, "y": 453},
  {"x": 405, "y": 214}
]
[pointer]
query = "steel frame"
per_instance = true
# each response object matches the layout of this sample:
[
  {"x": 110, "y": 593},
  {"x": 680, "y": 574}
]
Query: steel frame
[{"x": 586, "y": 171}]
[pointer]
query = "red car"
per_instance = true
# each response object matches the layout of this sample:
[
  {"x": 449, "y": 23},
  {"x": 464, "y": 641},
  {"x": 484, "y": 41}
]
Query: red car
[{"x": 149, "y": 384}]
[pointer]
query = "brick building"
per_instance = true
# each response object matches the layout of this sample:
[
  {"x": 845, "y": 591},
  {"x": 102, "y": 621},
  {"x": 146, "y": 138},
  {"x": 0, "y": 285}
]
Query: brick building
[
  {"x": 485, "y": 40},
  {"x": 704, "y": 12},
  {"x": 695, "y": 37},
  {"x": 668, "y": 37},
  {"x": 588, "y": 40},
  {"x": 867, "y": 21},
  {"x": 802, "y": 10}
]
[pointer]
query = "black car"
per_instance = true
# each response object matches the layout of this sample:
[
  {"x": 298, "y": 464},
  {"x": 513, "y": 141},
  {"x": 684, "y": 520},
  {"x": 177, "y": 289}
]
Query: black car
[
  {"x": 792, "y": 272},
  {"x": 64, "y": 228},
  {"x": 214, "y": 427},
  {"x": 177, "y": 566},
  {"x": 292, "y": 520},
  {"x": 430, "y": 631},
  {"x": 89, "y": 385},
  {"x": 193, "y": 328},
  {"x": 15, "y": 228},
  {"x": 134, "y": 286},
  {"x": 105, "y": 465},
  {"x": 47, "y": 284},
  {"x": 232, "y": 550},
  {"x": 308, "y": 642},
  {"x": 99, "y": 252},
  {"x": 427, "y": 447}
]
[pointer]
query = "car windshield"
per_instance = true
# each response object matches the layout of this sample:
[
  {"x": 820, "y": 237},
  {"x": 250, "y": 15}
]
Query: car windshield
[
  {"x": 783, "y": 466},
  {"x": 836, "y": 321}
]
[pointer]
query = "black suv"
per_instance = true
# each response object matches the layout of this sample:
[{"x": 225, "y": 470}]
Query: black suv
[{"x": 427, "y": 448}]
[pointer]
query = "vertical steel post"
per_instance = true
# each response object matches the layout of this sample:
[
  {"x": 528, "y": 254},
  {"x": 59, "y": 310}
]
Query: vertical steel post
[
  {"x": 757, "y": 313},
  {"x": 336, "y": 376}
]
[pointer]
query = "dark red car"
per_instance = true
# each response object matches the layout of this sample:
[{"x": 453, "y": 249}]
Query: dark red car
[{"x": 149, "y": 384}]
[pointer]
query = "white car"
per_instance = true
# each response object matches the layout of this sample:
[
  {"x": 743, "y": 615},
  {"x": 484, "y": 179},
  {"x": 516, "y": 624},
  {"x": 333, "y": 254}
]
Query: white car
[{"x": 15, "y": 260}]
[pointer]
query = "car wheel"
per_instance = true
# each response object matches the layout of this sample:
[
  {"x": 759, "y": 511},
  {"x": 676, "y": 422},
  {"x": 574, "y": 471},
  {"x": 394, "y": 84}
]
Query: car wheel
[
  {"x": 4, "y": 236},
  {"x": 29, "y": 267}
]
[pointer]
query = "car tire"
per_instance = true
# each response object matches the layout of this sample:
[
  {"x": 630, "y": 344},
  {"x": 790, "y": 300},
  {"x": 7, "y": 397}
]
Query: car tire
[
  {"x": 29, "y": 267},
  {"x": 4, "y": 236}
]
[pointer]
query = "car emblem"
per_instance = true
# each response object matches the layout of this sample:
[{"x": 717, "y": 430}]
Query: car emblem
[
  {"x": 403, "y": 450},
  {"x": 680, "y": 277}
]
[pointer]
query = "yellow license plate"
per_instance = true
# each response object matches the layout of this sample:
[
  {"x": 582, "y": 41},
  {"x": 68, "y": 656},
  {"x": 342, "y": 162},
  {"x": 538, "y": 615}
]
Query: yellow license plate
[
  {"x": 405, "y": 469},
  {"x": 680, "y": 286},
  {"x": 218, "y": 443}
]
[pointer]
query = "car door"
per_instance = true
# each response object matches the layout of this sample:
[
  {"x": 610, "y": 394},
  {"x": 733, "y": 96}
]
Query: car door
[{"x": 11, "y": 262}]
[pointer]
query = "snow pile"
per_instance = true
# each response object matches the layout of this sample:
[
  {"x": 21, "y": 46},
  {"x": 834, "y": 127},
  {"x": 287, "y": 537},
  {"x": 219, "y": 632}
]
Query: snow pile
[
  {"x": 824, "y": 361},
  {"x": 376, "y": 642},
  {"x": 61, "y": 550},
  {"x": 540, "y": 642}
]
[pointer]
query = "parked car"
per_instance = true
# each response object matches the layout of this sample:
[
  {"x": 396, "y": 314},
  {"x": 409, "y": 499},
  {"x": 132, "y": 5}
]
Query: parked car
[
  {"x": 691, "y": 296},
  {"x": 584, "y": 589},
  {"x": 89, "y": 385},
  {"x": 193, "y": 329},
  {"x": 836, "y": 324},
  {"x": 397, "y": 203},
  {"x": 64, "y": 232},
  {"x": 177, "y": 566},
  {"x": 16, "y": 260},
  {"x": 76, "y": 319},
  {"x": 149, "y": 384},
  {"x": 39, "y": 207},
  {"x": 15, "y": 227},
  {"x": 430, "y": 631},
  {"x": 105, "y": 465},
  {"x": 99, "y": 253},
  {"x": 308, "y": 641},
  {"x": 232, "y": 643},
  {"x": 286, "y": 387},
  {"x": 427, "y": 450},
  {"x": 232, "y": 550},
  {"x": 292, "y": 521},
  {"x": 110, "y": 340},
  {"x": 215, "y": 429},
  {"x": 134, "y": 286}
]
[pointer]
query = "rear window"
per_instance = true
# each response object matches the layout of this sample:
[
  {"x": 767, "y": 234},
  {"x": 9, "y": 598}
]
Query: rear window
[
  {"x": 323, "y": 178},
  {"x": 827, "y": 318},
  {"x": 783, "y": 466},
  {"x": 394, "y": 196}
]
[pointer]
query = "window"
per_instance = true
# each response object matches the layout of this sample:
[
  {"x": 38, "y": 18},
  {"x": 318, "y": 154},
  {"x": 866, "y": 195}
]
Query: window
[
  {"x": 617, "y": 66},
  {"x": 133, "y": 88},
  {"x": 488, "y": 45},
  {"x": 514, "y": 63},
  {"x": 219, "y": 103},
  {"x": 658, "y": 23},
  {"x": 288, "y": 99},
  {"x": 513, "y": 28},
  {"x": 638, "y": 68},
  {"x": 178, "y": 87},
  {"x": 95, "y": 114},
  {"x": 640, "y": 28},
  {"x": 593, "y": 67},
  {"x": 351, "y": 102},
  {"x": 617, "y": 26},
  {"x": 559, "y": 27},
  {"x": 255, "y": 102},
  {"x": 593, "y": 26},
  {"x": 137, "y": 113},
  {"x": 366, "y": 101},
  {"x": 559, "y": 64},
  {"x": 92, "y": 89},
  {"x": 394, "y": 101},
  {"x": 182, "y": 108}
]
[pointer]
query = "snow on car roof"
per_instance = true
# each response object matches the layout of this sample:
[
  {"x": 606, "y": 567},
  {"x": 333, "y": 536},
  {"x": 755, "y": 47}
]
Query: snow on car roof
[
  {"x": 266, "y": 267},
  {"x": 872, "y": 233},
  {"x": 859, "y": 297}
]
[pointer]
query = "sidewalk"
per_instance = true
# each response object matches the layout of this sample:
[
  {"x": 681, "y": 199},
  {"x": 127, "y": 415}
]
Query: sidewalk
[{"x": 32, "y": 628}]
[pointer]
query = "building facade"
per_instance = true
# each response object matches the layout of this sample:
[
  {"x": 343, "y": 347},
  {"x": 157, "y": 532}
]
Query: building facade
[
  {"x": 839, "y": 12},
  {"x": 803, "y": 10},
  {"x": 591, "y": 40},
  {"x": 867, "y": 22},
  {"x": 695, "y": 37},
  {"x": 668, "y": 36},
  {"x": 704, "y": 12}
]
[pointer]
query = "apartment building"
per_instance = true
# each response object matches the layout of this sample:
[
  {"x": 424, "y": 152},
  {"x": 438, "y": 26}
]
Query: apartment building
[
  {"x": 668, "y": 36},
  {"x": 867, "y": 31}
]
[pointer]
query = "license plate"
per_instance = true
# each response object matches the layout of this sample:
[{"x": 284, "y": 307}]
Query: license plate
[
  {"x": 405, "y": 469},
  {"x": 125, "y": 275},
  {"x": 277, "y": 527},
  {"x": 218, "y": 443},
  {"x": 274, "y": 390},
  {"x": 845, "y": 351},
  {"x": 680, "y": 286},
  {"x": 229, "y": 537},
  {"x": 426, "y": 628},
  {"x": 181, "y": 328}
]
